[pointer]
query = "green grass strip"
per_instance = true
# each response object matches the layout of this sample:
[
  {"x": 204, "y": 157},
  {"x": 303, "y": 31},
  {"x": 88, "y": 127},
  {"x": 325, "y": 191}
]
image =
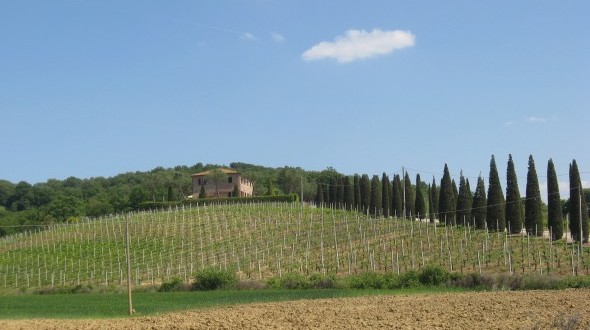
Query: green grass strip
[{"x": 82, "y": 306}]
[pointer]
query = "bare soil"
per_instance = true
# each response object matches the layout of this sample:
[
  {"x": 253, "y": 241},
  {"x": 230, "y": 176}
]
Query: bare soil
[{"x": 473, "y": 310}]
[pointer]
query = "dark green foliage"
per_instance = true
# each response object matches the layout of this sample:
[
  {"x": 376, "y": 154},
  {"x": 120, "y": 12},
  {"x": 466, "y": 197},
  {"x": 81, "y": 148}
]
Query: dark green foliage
[
  {"x": 446, "y": 199},
  {"x": 432, "y": 275},
  {"x": 375, "y": 204},
  {"x": 420, "y": 203},
  {"x": 222, "y": 200},
  {"x": 513, "y": 201},
  {"x": 433, "y": 200},
  {"x": 577, "y": 196},
  {"x": 410, "y": 197},
  {"x": 174, "y": 285},
  {"x": 326, "y": 191},
  {"x": 333, "y": 201},
  {"x": 495, "y": 212},
  {"x": 554, "y": 215},
  {"x": 365, "y": 184},
  {"x": 532, "y": 204},
  {"x": 298, "y": 281},
  {"x": 385, "y": 198},
  {"x": 319, "y": 196},
  {"x": 202, "y": 193},
  {"x": 236, "y": 191},
  {"x": 270, "y": 189},
  {"x": 348, "y": 192},
  {"x": 396, "y": 196},
  {"x": 464, "y": 201},
  {"x": 214, "y": 278},
  {"x": 357, "y": 192},
  {"x": 340, "y": 191},
  {"x": 479, "y": 206}
]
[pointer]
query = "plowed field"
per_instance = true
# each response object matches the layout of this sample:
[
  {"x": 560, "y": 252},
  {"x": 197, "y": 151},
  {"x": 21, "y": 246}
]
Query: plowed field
[{"x": 472, "y": 310}]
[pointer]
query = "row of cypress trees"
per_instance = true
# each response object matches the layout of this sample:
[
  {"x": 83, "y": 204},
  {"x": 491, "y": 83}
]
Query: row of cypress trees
[{"x": 457, "y": 206}]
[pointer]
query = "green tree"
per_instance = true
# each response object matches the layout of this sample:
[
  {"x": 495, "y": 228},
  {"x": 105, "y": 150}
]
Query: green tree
[
  {"x": 533, "y": 203},
  {"x": 396, "y": 196},
  {"x": 433, "y": 199},
  {"x": 348, "y": 192},
  {"x": 236, "y": 191},
  {"x": 446, "y": 199},
  {"x": 65, "y": 207},
  {"x": 357, "y": 192},
  {"x": 6, "y": 190},
  {"x": 495, "y": 213},
  {"x": 464, "y": 201},
  {"x": 479, "y": 206},
  {"x": 420, "y": 203},
  {"x": 513, "y": 201},
  {"x": 554, "y": 215},
  {"x": 375, "y": 202},
  {"x": 578, "y": 211},
  {"x": 202, "y": 193},
  {"x": 410, "y": 197},
  {"x": 319, "y": 196},
  {"x": 385, "y": 198},
  {"x": 270, "y": 190},
  {"x": 365, "y": 192}
]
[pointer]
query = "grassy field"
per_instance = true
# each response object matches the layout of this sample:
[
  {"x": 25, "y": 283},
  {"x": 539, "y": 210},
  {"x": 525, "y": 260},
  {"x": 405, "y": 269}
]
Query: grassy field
[
  {"x": 74, "y": 306},
  {"x": 260, "y": 241}
]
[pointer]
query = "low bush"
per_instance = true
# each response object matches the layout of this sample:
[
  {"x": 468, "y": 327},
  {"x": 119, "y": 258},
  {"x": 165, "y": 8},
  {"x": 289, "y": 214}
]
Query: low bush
[
  {"x": 251, "y": 285},
  {"x": 410, "y": 279},
  {"x": 175, "y": 285},
  {"x": 213, "y": 279},
  {"x": 433, "y": 275},
  {"x": 319, "y": 281}
]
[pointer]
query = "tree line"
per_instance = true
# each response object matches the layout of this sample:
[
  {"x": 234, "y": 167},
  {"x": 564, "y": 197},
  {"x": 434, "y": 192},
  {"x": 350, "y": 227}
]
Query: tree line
[{"x": 454, "y": 205}]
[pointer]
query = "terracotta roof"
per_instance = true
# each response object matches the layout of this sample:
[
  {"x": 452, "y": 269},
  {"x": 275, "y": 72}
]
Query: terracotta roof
[{"x": 224, "y": 170}]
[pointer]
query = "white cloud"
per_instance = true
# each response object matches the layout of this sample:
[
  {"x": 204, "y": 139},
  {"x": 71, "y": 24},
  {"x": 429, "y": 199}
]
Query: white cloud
[
  {"x": 360, "y": 44},
  {"x": 277, "y": 37},
  {"x": 536, "y": 120},
  {"x": 509, "y": 123},
  {"x": 248, "y": 36}
]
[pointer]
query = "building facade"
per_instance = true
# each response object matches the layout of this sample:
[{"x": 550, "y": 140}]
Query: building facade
[{"x": 223, "y": 187}]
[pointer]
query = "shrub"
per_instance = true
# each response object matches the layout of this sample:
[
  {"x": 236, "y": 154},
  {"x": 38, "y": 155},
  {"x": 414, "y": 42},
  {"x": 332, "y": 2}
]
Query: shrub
[
  {"x": 542, "y": 282},
  {"x": 474, "y": 281},
  {"x": 175, "y": 285},
  {"x": 509, "y": 282},
  {"x": 251, "y": 285},
  {"x": 319, "y": 281},
  {"x": 433, "y": 275},
  {"x": 367, "y": 280},
  {"x": 410, "y": 279},
  {"x": 213, "y": 279},
  {"x": 290, "y": 281}
]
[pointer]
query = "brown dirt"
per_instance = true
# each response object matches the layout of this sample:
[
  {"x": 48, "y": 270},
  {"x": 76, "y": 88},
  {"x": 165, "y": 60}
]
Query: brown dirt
[{"x": 472, "y": 310}]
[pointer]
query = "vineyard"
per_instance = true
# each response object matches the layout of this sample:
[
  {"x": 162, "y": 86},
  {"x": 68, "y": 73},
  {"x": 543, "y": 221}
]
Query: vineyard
[{"x": 260, "y": 241}]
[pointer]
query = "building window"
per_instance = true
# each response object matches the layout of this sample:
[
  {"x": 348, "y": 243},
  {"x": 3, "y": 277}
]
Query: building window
[
  {"x": 229, "y": 180},
  {"x": 199, "y": 182}
]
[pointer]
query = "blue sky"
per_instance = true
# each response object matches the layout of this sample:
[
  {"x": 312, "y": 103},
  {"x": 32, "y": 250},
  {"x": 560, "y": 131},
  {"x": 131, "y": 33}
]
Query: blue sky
[{"x": 97, "y": 88}]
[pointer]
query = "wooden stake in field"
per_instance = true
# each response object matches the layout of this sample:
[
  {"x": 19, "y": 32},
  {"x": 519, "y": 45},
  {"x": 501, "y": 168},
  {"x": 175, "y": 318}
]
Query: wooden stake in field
[{"x": 128, "y": 255}]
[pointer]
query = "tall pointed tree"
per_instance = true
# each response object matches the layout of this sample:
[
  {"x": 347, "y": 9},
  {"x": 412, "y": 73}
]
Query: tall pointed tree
[
  {"x": 532, "y": 204},
  {"x": 554, "y": 215},
  {"x": 385, "y": 199},
  {"x": 319, "y": 195},
  {"x": 464, "y": 201},
  {"x": 445, "y": 199},
  {"x": 396, "y": 196},
  {"x": 365, "y": 192},
  {"x": 420, "y": 203},
  {"x": 513, "y": 201},
  {"x": 433, "y": 198},
  {"x": 578, "y": 212},
  {"x": 375, "y": 204},
  {"x": 479, "y": 205},
  {"x": 340, "y": 191},
  {"x": 348, "y": 193},
  {"x": 333, "y": 192},
  {"x": 410, "y": 197},
  {"x": 390, "y": 194},
  {"x": 357, "y": 192},
  {"x": 496, "y": 204}
]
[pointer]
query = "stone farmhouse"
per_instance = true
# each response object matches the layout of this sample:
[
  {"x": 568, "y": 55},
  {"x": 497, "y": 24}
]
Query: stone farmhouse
[{"x": 225, "y": 187}]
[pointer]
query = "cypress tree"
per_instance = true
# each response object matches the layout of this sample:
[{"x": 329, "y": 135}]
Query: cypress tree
[
  {"x": 340, "y": 191},
  {"x": 236, "y": 191},
  {"x": 333, "y": 201},
  {"x": 433, "y": 198},
  {"x": 326, "y": 191},
  {"x": 365, "y": 192},
  {"x": 319, "y": 195},
  {"x": 390, "y": 193},
  {"x": 385, "y": 198},
  {"x": 577, "y": 196},
  {"x": 270, "y": 190},
  {"x": 445, "y": 199},
  {"x": 357, "y": 192},
  {"x": 463, "y": 201},
  {"x": 375, "y": 204},
  {"x": 513, "y": 201},
  {"x": 348, "y": 193},
  {"x": 202, "y": 193},
  {"x": 396, "y": 196},
  {"x": 554, "y": 215},
  {"x": 420, "y": 203},
  {"x": 410, "y": 197},
  {"x": 479, "y": 206},
  {"x": 496, "y": 203},
  {"x": 532, "y": 204}
]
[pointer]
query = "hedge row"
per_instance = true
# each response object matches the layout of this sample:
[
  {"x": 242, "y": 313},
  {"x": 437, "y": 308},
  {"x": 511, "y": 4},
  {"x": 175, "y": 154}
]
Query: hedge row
[{"x": 223, "y": 200}]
